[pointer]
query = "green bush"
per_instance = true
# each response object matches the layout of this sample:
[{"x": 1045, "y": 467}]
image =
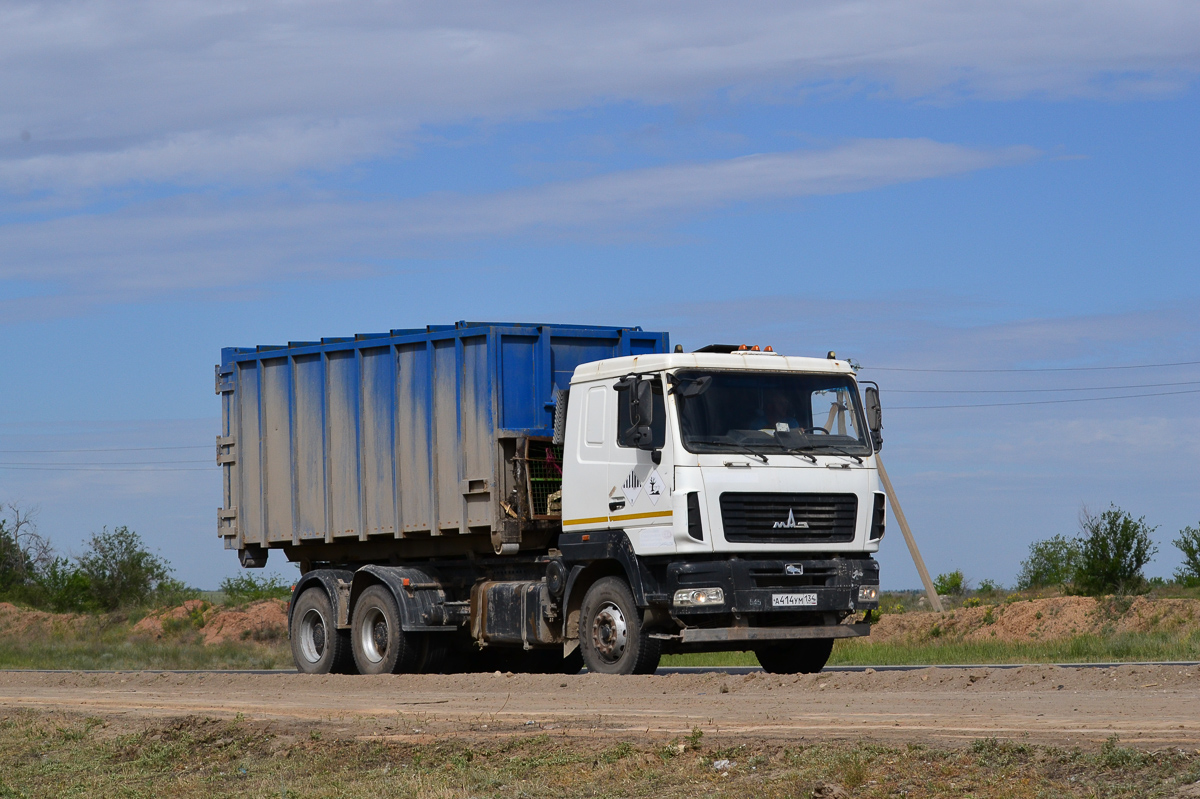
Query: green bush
[
  {"x": 116, "y": 571},
  {"x": 1189, "y": 544},
  {"x": 248, "y": 588},
  {"x": 13, "y": 562},
  {"x": 23, "y": 553},
  {"x": 987, "y": 588},
  {"x": 1052, "y": 562},
  {"x": 121, "y": 572},
  {"x": 1113, "y": 550},
  {"x": 62, "y": 588},
  {"x": 951, "y": 584}
]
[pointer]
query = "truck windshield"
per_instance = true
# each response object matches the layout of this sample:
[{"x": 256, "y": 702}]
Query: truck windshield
[{"x": 769, "y": 412}]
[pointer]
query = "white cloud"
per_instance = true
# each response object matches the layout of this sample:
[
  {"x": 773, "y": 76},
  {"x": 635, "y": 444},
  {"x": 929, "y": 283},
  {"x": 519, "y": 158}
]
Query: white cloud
[
  {"x": 196, "y": 158},
  {"x": 112, "y": 92},
  {"x": 192, "y": 243},
  {"x": 625, "y": 197}
]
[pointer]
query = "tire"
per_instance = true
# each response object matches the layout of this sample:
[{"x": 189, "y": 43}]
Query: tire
[
  {"x": 612, "y": 638},
  {"x": 318, "y": 646},
  {"x": 806, "y": 656},
  {"x": 380, "y": 645}
]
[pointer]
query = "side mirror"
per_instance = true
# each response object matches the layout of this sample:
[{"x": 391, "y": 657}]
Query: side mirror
[
  {"x": 641, "y": 413},
  {"x": 874, "y": 415},
  {"x": 642, "y": 407}
]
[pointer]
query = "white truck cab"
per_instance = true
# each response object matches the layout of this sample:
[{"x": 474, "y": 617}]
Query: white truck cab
[
  {"x": 771, "y": 452},
  {"x": 744, "y": 485}
]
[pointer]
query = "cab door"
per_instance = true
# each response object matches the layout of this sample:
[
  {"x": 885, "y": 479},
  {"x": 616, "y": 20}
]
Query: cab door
[
  {"x": 590, "y": 436},
  {"x": 639, "y": 492}
]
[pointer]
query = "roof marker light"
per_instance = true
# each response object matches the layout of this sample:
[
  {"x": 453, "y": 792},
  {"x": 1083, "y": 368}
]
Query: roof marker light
[{"x": 768, "y": 349}]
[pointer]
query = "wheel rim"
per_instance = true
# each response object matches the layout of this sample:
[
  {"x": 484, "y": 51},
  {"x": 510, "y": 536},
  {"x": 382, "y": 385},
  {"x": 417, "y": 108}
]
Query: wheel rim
[
  {"x": 373, "y": 635},
  {"x": 312, "y": 635},
  {"x": 610, "y": 632}
]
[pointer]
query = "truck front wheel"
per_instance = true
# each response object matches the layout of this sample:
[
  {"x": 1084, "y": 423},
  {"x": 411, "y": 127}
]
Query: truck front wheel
[
  {"x": 611, "y": 634},
  {"x": 318, "y": 646},
  {"x": 806, "y": 656},
  {"x": 380, "y": 645}
]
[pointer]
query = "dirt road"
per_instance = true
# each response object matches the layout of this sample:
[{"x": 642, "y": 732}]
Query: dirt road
[{"x": 1147, "y": 706}]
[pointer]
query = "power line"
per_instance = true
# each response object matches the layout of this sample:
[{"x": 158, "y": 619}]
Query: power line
[
  {"x": 1041, "y": 402},
  {"x": 105, "y": 449},
  {"x": 1039, "y": 369},
  {"x": 101, "y": 463},
  {"x": 61, "y": 468},
  {"x": 1031, "y": 390}
]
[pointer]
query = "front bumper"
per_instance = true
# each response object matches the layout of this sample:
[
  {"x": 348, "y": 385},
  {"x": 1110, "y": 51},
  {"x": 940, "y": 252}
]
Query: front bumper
[
  {"x": 717, "y": 635},
  {"x": 765, "y": 588}
]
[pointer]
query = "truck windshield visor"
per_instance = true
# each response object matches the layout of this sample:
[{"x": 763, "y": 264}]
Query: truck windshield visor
[{"x": 770, "y": 412}]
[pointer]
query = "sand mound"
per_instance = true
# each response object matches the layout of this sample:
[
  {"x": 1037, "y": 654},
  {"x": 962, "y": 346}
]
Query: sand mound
[
  {"x": 260, "y": 621},
  {"x": 195, "y": 620},
  {"x": 17, "y": 621},
  {"x": 1043, "y": 619},
  {"x": 190, "y": 614}
]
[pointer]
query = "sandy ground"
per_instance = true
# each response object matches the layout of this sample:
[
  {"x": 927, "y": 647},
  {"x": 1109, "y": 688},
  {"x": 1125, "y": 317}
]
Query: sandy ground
[{"x": 1147, "y": 706}]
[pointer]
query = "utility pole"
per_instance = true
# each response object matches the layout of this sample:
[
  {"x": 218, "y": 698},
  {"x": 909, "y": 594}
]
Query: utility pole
[{"x": 931, "y": 592}]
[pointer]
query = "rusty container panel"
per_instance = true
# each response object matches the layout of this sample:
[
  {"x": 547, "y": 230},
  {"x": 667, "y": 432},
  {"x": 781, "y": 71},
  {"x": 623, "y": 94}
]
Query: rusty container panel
[
  {"x": 249, "y": 454},
  {"x": 379, "y": 440},
  {"x": 394, "y": 435},
  {"x": 414, "y": 439},
  {"x": 343, "y": 402},
  {"x": 308, "y": 420},
  {"x": 277, "y": 450},
  {"x": 447, "y": 450}
]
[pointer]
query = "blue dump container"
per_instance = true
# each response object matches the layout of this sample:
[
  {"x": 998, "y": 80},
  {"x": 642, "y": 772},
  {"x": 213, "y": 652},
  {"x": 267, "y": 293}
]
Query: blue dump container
[{"x": 409, "y": 434}]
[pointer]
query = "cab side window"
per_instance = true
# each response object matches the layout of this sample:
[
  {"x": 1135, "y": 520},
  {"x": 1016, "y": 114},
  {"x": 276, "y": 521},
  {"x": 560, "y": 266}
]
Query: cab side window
[
  {"x": 658, "y": 426},
  {"x": 594, "y": 421}
]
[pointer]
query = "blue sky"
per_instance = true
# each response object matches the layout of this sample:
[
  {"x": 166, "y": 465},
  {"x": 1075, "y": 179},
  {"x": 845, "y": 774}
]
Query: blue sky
[{"x": 918, "y": 185}]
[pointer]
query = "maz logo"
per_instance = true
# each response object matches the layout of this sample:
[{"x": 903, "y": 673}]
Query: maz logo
[{"x": 790, "y": 524}]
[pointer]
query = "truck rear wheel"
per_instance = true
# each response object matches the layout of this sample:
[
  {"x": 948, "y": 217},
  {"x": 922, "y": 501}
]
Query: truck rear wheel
[
  {"x": 380, "y": 645},
  {"x": 611, "y": 635},
  {"x": 806, "y": 656},
  {"x": 318, "y": 646}
]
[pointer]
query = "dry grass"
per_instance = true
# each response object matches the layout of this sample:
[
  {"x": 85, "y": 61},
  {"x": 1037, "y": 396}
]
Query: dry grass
[
  {"x": 32, "y": 640},
  {"x": 44, "y": 755}
]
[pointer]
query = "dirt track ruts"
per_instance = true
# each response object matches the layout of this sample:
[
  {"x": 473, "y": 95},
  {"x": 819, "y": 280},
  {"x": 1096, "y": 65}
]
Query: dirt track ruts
[{"x": 1148, "y": 706}]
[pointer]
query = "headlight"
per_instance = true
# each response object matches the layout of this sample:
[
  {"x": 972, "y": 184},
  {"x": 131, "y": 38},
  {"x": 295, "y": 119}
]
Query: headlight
[
  {"x": 697, "y": 597},
  {"x": 868, "y": 593}
]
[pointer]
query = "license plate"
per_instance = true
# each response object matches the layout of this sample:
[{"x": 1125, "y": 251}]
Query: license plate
[{"x": 793, "y": 600}]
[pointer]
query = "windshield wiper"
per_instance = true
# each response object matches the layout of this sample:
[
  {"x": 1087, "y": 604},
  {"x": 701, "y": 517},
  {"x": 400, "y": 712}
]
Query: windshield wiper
[
  {"x": 807, "y": 444},
  {"x": 742, "y": 448},
  {"x": 798, "y": 451},
  {"x": 836, "y": 449}
]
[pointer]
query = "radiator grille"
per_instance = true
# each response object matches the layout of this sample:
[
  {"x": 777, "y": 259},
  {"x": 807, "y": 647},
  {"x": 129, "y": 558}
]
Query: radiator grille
[{"x": 789, "y": 518}]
